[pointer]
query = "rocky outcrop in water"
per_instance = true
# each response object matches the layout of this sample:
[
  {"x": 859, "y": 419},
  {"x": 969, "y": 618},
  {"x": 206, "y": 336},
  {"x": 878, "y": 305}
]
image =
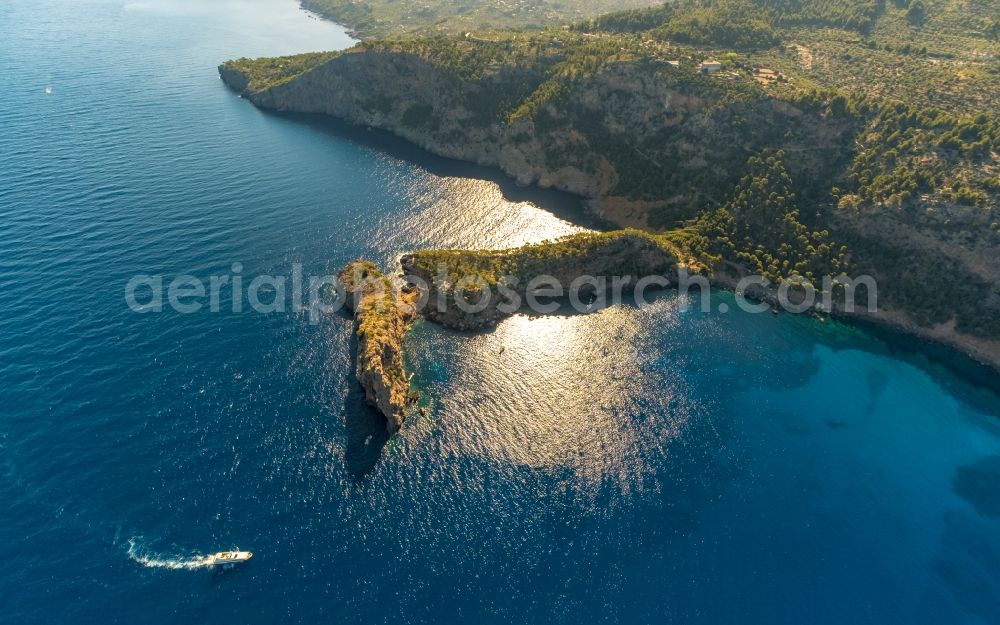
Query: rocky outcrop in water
[{"x": 382, "y": 315}]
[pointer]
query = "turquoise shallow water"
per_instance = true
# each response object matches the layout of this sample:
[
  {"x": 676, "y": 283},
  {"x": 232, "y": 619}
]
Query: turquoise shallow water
[{"x": 631, "y": 466}]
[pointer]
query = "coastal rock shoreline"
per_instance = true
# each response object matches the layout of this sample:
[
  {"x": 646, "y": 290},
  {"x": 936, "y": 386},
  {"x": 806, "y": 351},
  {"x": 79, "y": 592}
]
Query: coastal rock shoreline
[{"x": 382, "y": 316}]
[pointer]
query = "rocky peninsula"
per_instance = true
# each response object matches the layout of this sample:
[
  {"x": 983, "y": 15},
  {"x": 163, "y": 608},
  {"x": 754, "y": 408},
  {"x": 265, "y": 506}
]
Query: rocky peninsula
[{"x": 382, "y": 315}]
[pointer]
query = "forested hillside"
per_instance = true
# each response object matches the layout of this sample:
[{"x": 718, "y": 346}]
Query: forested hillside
[{"x": 931, "y": 52}]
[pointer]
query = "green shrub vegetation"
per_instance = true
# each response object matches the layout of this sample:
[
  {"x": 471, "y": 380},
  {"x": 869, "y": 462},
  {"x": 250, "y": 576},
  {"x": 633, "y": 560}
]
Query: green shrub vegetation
[
  {"x": 617, "y": 252},
  {"x": 270, "y": 72},
  {"x": 857, "y": 15}
]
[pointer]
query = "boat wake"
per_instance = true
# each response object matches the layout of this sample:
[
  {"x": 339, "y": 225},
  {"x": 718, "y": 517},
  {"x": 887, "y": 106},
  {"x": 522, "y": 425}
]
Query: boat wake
[{"x": 177, "y": 563}]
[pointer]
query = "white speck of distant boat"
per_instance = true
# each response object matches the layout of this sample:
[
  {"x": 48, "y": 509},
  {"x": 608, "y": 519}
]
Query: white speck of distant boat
[{"x": 48, "y": 90}]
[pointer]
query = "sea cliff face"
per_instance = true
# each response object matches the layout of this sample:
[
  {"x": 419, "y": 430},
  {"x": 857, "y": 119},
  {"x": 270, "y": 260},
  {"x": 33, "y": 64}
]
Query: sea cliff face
[
  {"x": 234, "y": 79},
  {"x": 382, "y": 316},
  {"x": 413, "y": 99},
  {"x": 685, "y": 134}
]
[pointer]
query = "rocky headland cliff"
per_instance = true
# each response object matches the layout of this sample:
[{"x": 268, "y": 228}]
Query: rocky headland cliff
[
  {"x": 382, "y": 315},
  {"x": 605, "y": 135}
]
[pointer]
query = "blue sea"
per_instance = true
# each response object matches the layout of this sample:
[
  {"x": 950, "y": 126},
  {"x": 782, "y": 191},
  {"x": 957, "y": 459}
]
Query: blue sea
[{"x": 653, "y": 465}]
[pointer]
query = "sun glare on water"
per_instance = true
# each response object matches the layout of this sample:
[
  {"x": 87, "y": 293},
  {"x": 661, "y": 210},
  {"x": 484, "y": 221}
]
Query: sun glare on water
[
  {"x": 466, "y": 212},
  {"x": 558, "y": 393}
]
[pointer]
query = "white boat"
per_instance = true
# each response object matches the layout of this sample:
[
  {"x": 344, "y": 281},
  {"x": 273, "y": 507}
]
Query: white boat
[{"x": 229, "y": 559}]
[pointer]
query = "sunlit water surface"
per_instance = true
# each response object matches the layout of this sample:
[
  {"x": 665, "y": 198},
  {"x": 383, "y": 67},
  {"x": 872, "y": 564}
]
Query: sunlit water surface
[{"x": 635, "y": 465}]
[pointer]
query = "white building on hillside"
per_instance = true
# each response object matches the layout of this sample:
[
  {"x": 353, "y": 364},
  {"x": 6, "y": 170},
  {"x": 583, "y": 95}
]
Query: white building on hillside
[{"x": 710, "y": 66}]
